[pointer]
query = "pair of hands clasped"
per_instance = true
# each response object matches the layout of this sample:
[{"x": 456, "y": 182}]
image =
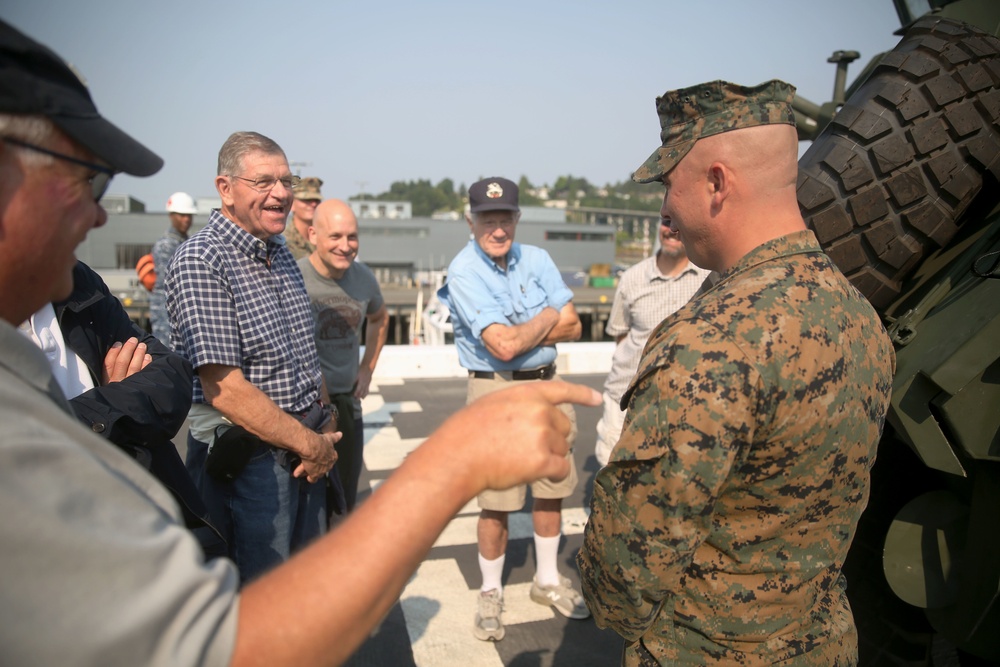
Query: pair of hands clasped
[{"x": 319, "y": 460}]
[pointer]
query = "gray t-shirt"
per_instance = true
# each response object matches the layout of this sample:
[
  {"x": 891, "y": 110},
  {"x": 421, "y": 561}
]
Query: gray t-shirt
[{"x": 340, "y": 308}]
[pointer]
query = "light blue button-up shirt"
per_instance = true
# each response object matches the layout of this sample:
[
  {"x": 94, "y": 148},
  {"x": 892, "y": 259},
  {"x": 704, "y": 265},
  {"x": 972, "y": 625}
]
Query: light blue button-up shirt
[{"x": 478, "y": 293}]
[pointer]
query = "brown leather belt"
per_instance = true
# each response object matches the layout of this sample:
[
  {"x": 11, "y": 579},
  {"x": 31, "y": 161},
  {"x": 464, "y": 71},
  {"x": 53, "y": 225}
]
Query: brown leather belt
[{"x": 543, "y": 373}]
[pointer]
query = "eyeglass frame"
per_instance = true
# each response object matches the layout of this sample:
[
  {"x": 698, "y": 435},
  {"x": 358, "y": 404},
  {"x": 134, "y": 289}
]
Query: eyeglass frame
[
  {"x": 98, "y": 186},
  {"x": 295, "y": 181}
]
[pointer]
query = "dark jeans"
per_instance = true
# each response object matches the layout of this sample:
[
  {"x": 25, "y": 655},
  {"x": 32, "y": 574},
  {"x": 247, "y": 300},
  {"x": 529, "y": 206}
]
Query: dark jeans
[
  {"x": 265, "y": 514},
  {"x": 350, "y": 461}
]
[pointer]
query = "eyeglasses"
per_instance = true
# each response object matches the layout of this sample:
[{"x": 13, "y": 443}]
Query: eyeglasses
[
  {"x": 265, "y": 183},
  {"x": 98, "y": 182}
]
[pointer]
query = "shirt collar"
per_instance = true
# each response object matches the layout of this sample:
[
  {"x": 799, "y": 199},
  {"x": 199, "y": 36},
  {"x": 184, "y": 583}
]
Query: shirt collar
[
  {"x": 653, "y": 271},
  {"x": 513, "y": 255},
  {"x": 244, "y": 242},
  {"x": 796, "y": 243},
  {"x": 23, "y": 358}
]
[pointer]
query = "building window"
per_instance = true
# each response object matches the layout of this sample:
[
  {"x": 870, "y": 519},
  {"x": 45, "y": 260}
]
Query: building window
[
  {"x": 392, "y": 230},
  {"x": 128, "y": 254},
  {"x": 577, "y": 236}
]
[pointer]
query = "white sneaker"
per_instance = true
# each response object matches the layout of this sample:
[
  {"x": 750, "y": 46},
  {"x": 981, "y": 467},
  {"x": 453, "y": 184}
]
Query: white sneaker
[
  {"x": 563, "y": 597},
  {"x": 488, "y": 626}
]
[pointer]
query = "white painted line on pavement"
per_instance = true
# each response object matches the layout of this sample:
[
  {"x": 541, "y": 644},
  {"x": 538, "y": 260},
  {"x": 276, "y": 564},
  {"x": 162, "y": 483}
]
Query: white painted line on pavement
[{"x": 439, "y": 610}]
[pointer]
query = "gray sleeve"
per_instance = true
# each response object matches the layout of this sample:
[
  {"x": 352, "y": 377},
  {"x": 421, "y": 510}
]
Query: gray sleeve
[{"x": 96, "y": 572}]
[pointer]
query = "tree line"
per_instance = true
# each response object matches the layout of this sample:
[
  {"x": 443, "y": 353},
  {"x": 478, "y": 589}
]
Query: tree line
[{"x": 427, "y": 199}]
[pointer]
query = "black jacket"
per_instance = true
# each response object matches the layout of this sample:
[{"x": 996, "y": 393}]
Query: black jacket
[{"x": 143, "y": 412}]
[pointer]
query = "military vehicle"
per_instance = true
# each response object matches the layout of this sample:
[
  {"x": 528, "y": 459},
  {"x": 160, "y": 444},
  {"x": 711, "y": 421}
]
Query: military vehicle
[{"x": 901, "y": 187}]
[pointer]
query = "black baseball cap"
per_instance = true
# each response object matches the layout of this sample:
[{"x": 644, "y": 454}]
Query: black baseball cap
[
  {"x": 34, "y": 80},
  {"x": 493, "y": 194}
]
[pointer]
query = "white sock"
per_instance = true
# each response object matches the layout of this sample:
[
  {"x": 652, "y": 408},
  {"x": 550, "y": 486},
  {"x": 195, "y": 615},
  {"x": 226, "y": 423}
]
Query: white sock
[
  {"x": 492, "y": 571},
  {"x": 546, "y": 557}
]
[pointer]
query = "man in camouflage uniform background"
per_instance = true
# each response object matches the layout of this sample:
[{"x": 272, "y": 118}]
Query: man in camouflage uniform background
[
  {"x": 307, "y": 198},
  {"x": 180, "y": 209},
  {"x": 719, "y": 528}
]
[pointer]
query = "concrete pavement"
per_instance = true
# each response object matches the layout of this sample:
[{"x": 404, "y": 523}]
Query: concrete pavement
[{"x": 432, "y": 624}]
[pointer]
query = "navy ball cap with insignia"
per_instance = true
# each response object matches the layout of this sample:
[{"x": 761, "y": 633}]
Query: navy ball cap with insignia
[{"x": 493, "y": 194}]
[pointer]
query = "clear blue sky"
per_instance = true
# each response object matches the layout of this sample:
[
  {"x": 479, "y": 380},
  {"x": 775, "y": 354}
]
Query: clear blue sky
[{"x": 368, "y": 93}]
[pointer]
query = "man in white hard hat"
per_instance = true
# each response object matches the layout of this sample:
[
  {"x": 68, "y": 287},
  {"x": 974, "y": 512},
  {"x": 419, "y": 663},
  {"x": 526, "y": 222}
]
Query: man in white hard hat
[{"x": 181, "y": 209}]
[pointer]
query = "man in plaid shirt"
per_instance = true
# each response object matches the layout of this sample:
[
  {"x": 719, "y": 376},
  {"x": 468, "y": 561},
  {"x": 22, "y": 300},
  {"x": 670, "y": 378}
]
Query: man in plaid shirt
[{"x": 240, "y": 314}]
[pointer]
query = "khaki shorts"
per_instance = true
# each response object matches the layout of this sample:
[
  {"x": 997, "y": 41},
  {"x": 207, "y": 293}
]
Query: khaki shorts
[{"x": 512, "y": 500}]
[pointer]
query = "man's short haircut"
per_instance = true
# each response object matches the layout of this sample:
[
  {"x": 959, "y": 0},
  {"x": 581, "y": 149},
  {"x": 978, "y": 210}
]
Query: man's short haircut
[
  {"x": 238, "y": 145},
  {"x": 31, "y": 129}
]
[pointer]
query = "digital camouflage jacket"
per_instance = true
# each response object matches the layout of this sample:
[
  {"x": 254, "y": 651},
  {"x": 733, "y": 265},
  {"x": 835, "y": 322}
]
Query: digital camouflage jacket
[
  {"x": 718, "y": 531},
  {"x": 296, "y": 242}
]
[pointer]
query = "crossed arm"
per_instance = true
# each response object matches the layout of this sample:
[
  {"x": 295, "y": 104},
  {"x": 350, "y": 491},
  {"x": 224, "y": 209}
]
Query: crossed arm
[
  {"x": 506, "y": 341},
  {"x": 123, "y": 360},
  {"x": 144, "y": 389}
]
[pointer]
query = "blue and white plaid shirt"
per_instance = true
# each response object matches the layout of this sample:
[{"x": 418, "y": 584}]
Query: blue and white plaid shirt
[{"x": 237, "y": 301}]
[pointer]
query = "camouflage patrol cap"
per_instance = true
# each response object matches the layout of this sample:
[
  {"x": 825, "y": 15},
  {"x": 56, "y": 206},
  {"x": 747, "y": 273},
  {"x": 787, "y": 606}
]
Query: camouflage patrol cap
[
  {"x": 690, "y": 114},
  {"x": 308, "y": 188}
]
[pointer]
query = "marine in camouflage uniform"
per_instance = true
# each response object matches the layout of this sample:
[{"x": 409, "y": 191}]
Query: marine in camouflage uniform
[
  {"x": 307, "y": 198},
  {"x": 718, "y": 530}
]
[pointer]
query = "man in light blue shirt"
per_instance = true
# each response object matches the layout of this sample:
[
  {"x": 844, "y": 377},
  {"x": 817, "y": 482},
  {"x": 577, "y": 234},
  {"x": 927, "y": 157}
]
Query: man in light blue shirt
[{"x": 509, "y": 307}]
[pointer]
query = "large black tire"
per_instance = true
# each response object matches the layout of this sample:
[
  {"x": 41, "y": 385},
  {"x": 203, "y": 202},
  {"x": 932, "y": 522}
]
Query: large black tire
[{"x": 887, "y": 181}]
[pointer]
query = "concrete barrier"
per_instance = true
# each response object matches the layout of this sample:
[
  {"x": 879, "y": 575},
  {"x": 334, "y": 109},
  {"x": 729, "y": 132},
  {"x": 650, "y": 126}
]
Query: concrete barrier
[{"x": 441, "y": 361}]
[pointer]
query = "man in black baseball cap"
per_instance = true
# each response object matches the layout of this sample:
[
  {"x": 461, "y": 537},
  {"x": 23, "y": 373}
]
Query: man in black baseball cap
[
  {"x": 493, "y": 194},
  {"x": 100, "y": 569}
]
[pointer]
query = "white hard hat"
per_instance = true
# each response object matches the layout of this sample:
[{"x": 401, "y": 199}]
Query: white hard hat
[{"x": 181, "y": 202}]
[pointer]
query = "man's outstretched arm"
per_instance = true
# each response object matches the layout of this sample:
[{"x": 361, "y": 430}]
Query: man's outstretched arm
[{"x": 332, "y": 594}]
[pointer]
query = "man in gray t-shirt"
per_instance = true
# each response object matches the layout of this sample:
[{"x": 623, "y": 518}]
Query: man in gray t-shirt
[{"x": 344, "y": 294}]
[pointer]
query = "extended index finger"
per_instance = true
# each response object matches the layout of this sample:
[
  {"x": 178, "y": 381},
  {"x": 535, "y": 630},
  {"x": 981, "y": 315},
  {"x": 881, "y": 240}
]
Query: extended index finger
[{"x": 557, "y": 391}]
